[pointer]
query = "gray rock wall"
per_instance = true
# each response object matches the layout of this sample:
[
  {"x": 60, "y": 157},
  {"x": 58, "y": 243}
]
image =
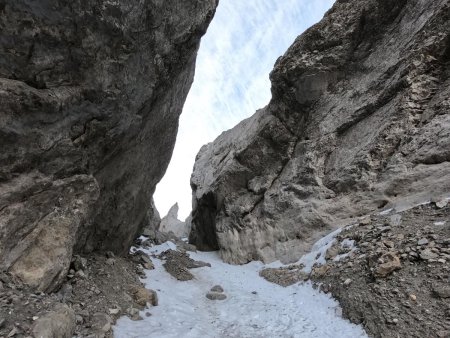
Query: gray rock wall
[
  {"x": 359, "y": 120},
  {"x": 90, "y": 95}
]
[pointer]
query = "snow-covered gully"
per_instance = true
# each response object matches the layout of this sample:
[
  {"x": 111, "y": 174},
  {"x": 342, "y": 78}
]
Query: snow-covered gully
[{"x": 254, "y": 307}]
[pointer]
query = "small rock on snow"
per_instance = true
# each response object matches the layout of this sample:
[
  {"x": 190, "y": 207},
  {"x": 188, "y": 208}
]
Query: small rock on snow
[{"x": 215, "y": 296}]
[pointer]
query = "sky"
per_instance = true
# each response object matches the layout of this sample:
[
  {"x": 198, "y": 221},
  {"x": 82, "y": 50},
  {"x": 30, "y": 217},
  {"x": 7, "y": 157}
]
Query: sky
[{"x": 231, "y": 81}]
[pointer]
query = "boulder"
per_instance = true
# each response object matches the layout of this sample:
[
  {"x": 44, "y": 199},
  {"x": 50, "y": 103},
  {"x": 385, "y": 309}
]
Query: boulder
[
  {"x": 40, "y": 250},
  {"x": 59, "y": 323},
  {"x": 142, "y": 296},
  {"x": 102, "y": 323}
]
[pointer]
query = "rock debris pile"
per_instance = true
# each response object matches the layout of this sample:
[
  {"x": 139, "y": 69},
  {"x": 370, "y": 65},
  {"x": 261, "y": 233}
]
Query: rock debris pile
[{"x": 395, "y": 279}]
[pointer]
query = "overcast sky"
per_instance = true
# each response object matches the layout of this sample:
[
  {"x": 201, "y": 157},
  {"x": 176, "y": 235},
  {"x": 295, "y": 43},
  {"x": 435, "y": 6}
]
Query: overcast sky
[{"x": 232, "y": 79}]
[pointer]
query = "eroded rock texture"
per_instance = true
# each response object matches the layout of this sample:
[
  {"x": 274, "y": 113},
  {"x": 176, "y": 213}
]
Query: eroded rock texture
[
  {"x": 359, "y": 119},
  {"x": 171, "y": 223},
  {"x": 90, "y": 95}
]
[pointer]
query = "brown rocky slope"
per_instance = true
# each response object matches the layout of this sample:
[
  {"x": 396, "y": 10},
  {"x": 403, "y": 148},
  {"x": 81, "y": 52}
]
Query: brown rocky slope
[
  {"x": 396, "y": 279},
  {"x": 90, "y": 95},
  {"x": 359, "y": 120},
  {"x": 390, "y": 271}
]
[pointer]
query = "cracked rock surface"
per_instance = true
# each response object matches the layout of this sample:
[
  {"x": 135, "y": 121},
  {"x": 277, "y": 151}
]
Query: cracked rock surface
[
  {"x": 359, "y": 120},
  {"x": 90, "y": 95}
]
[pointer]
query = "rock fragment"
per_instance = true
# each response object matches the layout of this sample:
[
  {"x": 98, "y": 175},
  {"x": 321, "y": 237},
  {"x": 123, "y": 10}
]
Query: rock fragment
[
  {"x": 390, "y": 263},
  {"x": 442, "y": 291},
  {"x": 428, "y": 254},
  {"x": 142, "y": 296},
  {"x": 285, "y": 276},
  {"x": 178, "y": 263},
  {"x": 422, "y": 241},
  {"x": 101, "y": 322},
  {"x": 58, "y": 323},
  {"x": 442, "y": 203},
  {"x": 217, "y": 288},
  {"x": 133, "y": 313},
  {"x": 216, "y": 296}
]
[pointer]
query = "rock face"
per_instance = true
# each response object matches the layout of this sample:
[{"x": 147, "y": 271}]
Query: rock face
[
  {"x": 153, "y": 217},
  {"x": 359, "y": 120},
  {"x": 171, "y": 223},
  {"x": 90, "y": 95}
]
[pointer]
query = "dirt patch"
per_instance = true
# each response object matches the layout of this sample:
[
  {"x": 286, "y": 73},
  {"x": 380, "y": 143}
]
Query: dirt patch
[
  {"x": 286, "y": 275},
  {"x": 396, "y": 282},
  {"x": 99, "y": 289}
]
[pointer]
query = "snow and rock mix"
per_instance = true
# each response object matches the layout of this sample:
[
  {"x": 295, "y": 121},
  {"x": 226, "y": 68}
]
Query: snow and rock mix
[
  {"x": 396, "y": 281},
  {"x": 232, "y": 301},
  {"x": 388, "y": 270}
]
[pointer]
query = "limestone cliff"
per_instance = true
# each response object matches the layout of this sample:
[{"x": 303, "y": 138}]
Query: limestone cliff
[
  {"x": 359, "y": 119},
  {"x": 171, "y": 223},
  {"x": 90, "y": 95}
]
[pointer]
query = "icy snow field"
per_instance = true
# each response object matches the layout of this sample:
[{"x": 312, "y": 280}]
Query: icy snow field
[{"x": 274, "y": 311}]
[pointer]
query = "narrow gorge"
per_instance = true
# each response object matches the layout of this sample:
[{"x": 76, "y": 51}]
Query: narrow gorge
[{"x": 325, "y": 213}]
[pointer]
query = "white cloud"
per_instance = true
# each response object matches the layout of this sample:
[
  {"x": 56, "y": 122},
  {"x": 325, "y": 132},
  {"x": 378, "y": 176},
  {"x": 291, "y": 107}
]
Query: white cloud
[{"x": 232, "y": 79}]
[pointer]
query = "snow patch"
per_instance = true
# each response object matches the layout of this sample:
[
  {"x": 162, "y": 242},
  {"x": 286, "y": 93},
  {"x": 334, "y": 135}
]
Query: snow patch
[
  {"x": 254, "y": 307},
  {"x": 385, "y": 212},
  {"x": 348, "y": 244},
  {"x": 318, "y": 251},
  {"x": 412, "y": 202},
  {"x": 158, "y": 249}
]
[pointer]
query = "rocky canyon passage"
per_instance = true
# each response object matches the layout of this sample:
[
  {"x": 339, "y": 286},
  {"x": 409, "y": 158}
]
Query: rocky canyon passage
[{"x": 325, "y": 213}]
